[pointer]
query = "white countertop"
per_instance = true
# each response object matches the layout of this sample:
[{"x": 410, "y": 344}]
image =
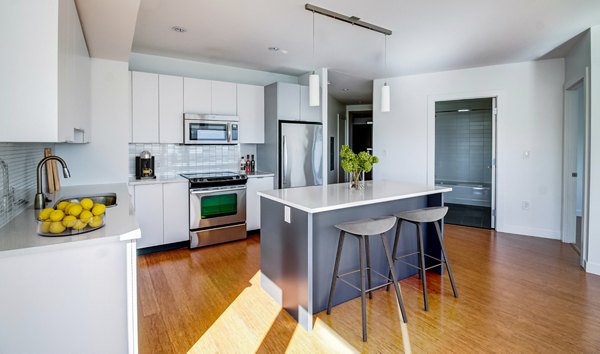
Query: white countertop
[
  {"x": 316, "y": 199},
  {"x": 172, "y": 179},
  {"x": 120, "y": 221},
  {"x": 259, "y": 174}
]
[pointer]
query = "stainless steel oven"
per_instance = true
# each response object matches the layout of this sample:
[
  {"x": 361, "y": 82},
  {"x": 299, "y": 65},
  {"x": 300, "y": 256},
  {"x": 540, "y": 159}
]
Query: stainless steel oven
[
  {"x": 210, "y": 129},
  {"x": 217, "y": 208}
]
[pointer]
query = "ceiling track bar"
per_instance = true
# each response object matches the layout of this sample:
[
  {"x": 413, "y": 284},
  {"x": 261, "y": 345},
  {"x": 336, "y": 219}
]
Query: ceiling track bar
[{"x": 349, "y": 19}]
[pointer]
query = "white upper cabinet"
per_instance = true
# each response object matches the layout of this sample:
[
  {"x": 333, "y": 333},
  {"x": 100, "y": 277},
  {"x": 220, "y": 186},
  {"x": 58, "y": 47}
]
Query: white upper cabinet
[
  {"x": 144, "y": 126},
  {"x": 288, "y": 101},
  {"x": 251, "y": 110},
  {"x": 45, "y": 71},
  {"x": 308, "y": 113},
  {"x": 224, "y": 98},
  {"x": 170, "y": 109},
  {"x": 197, "y": 95}
]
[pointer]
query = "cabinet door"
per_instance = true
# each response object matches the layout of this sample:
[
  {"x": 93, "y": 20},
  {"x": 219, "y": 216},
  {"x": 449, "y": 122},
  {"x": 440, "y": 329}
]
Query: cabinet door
[
  {"x": 251, "y": 110},
  {"x": 255, "y": 185},
  {"x": 288, "y": 101},
  {"x": 308, "y": 113},
  {"x": 175, "y": 212},
  {"x": 196, "y": 95},
  {"x": 149, "y": 213},
  {"x": 170, "y": 108},
  {"x": 144, "y": 89},
  {"x": 224, "y": 98}
]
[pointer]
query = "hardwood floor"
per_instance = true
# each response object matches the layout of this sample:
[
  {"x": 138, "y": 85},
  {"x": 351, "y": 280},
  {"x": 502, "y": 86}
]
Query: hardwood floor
[{"x": 516, "y": 294}]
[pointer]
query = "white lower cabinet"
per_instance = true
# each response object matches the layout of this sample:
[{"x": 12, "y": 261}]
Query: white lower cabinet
[
  {"x": 255, "y": 185},
  {"x": 162, "y": 212},
  {"x": 175, "y": 212}
]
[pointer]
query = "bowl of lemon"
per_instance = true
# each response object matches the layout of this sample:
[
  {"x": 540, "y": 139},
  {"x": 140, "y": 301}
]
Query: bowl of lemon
[{"x": 71, "y": 218}]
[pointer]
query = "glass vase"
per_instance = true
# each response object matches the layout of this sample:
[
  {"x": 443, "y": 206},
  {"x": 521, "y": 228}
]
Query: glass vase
[{"x": 357, "y": 179}]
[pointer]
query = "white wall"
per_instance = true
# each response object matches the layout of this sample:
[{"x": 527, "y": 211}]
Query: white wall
[
  {"x": 530, "y": 102},
  {"x": 577, "y": 60},
  {"x": 104, "y": 160},
  {"x": 201, "y": 70},
  {"x": 593, "y": 263}
]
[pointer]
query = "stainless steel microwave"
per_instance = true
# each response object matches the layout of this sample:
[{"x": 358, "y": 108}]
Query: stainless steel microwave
[{"x": 210, "y": 129}]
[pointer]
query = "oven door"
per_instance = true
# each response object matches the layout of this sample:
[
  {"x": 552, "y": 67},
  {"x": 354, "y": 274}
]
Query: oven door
[
  {"x": 211, "y": 207},
  {"x": 206, "y": 132}
]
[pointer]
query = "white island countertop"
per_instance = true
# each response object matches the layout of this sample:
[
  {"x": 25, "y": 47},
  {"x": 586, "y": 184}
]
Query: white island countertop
[
  {"x": 317, "y": 199},
  {"x": 120, "y": 221}
]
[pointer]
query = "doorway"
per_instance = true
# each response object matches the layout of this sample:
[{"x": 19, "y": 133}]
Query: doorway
[
  {"x": 361, "y": 134},
  {"x": 574, "y": 167},
  {"x": 465, "y": 149}
]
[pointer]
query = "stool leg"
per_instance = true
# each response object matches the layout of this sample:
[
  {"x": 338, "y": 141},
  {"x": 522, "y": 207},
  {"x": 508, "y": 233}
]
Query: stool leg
[
  {"x": 368, "y": 249},
  {"x": 386, "y": 248},
  {"x": 335, "y": 270},
  {"x": 445, "y": 257},
  {"x": 361, "y": 247},
  {"x": 387, "y": 288},
  {"x": 422, "y": 265}
]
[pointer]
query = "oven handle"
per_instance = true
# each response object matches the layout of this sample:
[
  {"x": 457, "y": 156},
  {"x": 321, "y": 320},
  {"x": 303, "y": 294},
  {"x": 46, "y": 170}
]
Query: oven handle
[{"x": 213, "y": 191}]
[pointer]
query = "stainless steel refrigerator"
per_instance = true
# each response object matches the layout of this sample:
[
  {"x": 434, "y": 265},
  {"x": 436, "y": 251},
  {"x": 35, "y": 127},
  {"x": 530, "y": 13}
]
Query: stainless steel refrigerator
[{"x": 300, "y": 154}]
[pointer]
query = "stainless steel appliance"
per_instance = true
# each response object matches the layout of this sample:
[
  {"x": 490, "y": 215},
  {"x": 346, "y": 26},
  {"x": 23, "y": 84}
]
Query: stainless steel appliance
[
  {"x": 217, "y": 207},
  {"x": 301, "y": 154},
  {"x": 210, "y": 129},
  {"x": 144, "y": 166}
]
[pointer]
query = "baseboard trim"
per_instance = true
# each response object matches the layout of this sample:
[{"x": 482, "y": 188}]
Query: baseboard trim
[
  {"x": 593, "y": 268},
  {"x": 530, "y": 231}
]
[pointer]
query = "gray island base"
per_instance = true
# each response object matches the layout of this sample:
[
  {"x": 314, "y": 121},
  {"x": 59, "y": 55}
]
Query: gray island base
[{"x": 299, "y": 241}]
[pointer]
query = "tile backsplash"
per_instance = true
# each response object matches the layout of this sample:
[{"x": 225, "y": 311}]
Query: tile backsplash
[
  {"x": 18, "y": 162},
  {"x": 173, "y": 159}
]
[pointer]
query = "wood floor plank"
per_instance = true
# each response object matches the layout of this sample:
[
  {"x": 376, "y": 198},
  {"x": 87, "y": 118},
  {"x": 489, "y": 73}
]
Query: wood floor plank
[{"x": 516, "y": 294}]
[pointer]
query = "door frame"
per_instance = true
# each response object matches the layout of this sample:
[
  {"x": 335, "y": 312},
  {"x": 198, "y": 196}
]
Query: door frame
[
  {"x": 498, "y": 99},
  {"x": 567, "y": 224}
]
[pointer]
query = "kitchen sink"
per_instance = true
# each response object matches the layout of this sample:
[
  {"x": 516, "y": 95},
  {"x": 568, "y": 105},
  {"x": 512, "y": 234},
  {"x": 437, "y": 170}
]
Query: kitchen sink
[{"x": 108, "y": 199}]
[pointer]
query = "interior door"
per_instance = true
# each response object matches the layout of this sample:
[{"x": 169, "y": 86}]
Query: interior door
[{"x": 493, "y": 165}]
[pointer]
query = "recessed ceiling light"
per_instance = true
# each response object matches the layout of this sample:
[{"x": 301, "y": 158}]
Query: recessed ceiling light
[
  {"x": 274, "y": 49},
  {"x": 345, "y": 89},
  {"x": 464, "y": 110},
  {"x": 178, "y": 29}
]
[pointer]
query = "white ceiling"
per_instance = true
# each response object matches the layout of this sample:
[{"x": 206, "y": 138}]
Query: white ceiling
[
  {"x": 349, "y": 89},
  {"x": 108, "y": 26},
  {"x": 428, "y": 35}
]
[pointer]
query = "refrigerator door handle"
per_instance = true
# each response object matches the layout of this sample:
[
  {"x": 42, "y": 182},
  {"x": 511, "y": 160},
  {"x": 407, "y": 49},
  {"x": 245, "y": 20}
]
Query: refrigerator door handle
[{"x": 285, "y": 158}]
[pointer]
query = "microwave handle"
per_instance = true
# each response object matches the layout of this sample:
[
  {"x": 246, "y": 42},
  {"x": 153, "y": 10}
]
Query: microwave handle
[{"x": 229, "y": 133}]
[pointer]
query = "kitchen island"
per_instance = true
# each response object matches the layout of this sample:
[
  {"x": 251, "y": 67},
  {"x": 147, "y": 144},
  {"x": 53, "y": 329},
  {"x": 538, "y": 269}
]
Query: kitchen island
[
  {"x": 299, "y": 240},
  {"x": 70, "y": 294}
]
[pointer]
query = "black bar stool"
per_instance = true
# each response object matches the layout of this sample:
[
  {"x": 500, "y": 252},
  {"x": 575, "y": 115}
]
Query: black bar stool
[
  {"x": 362, "y": 230},
  {"x": 417, "y": 217}
]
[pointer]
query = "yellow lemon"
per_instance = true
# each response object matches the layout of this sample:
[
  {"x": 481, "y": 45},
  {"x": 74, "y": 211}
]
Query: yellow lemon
[
  {"x": 75, "y": 210},
  {"x": 69, "y": 221},
  {"x": 57, "y": 227},
  {"x": 45, "y": 214},
  {"x": 62, "y": 205},
  {"x": 86, "y": 203},
  {"x": 98, "y": 209},
  {"x": 79, "y": 225},
  {"x": 57, "y": 215},
  {"x": 96, "y": 221},
  {"x": 86, "y": 215},
  {"x": 45, "y": 227}
]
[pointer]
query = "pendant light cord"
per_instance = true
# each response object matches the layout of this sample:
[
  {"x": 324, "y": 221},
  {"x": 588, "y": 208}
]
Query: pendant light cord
[{"x": 313, "y": 42}]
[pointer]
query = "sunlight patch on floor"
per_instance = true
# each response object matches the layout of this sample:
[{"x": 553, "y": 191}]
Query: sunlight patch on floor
[{"x": 247, "y": 321}]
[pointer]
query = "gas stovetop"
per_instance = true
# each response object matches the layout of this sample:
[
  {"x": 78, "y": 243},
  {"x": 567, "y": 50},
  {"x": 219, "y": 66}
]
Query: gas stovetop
[{"x": 210, "y": 179}]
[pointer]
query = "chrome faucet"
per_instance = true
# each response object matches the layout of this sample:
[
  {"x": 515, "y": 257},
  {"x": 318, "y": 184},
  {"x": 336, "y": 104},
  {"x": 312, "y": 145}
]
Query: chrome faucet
[{"x": 40, "y": 197}]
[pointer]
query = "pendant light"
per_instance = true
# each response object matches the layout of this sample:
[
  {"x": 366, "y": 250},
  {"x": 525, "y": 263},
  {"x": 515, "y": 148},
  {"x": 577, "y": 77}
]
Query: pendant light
[
  {"x": 313, "y": 79},
  {"x": 385, "y": 89}
]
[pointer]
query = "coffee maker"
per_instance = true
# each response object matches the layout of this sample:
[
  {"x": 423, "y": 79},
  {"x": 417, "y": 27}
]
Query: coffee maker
[{"x": 144, "y": 166}]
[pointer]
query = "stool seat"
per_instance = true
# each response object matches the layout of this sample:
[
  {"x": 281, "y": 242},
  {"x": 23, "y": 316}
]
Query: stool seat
[
  {"x": 423, "y": 215},
  {"x": 368, "y": 226}
]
